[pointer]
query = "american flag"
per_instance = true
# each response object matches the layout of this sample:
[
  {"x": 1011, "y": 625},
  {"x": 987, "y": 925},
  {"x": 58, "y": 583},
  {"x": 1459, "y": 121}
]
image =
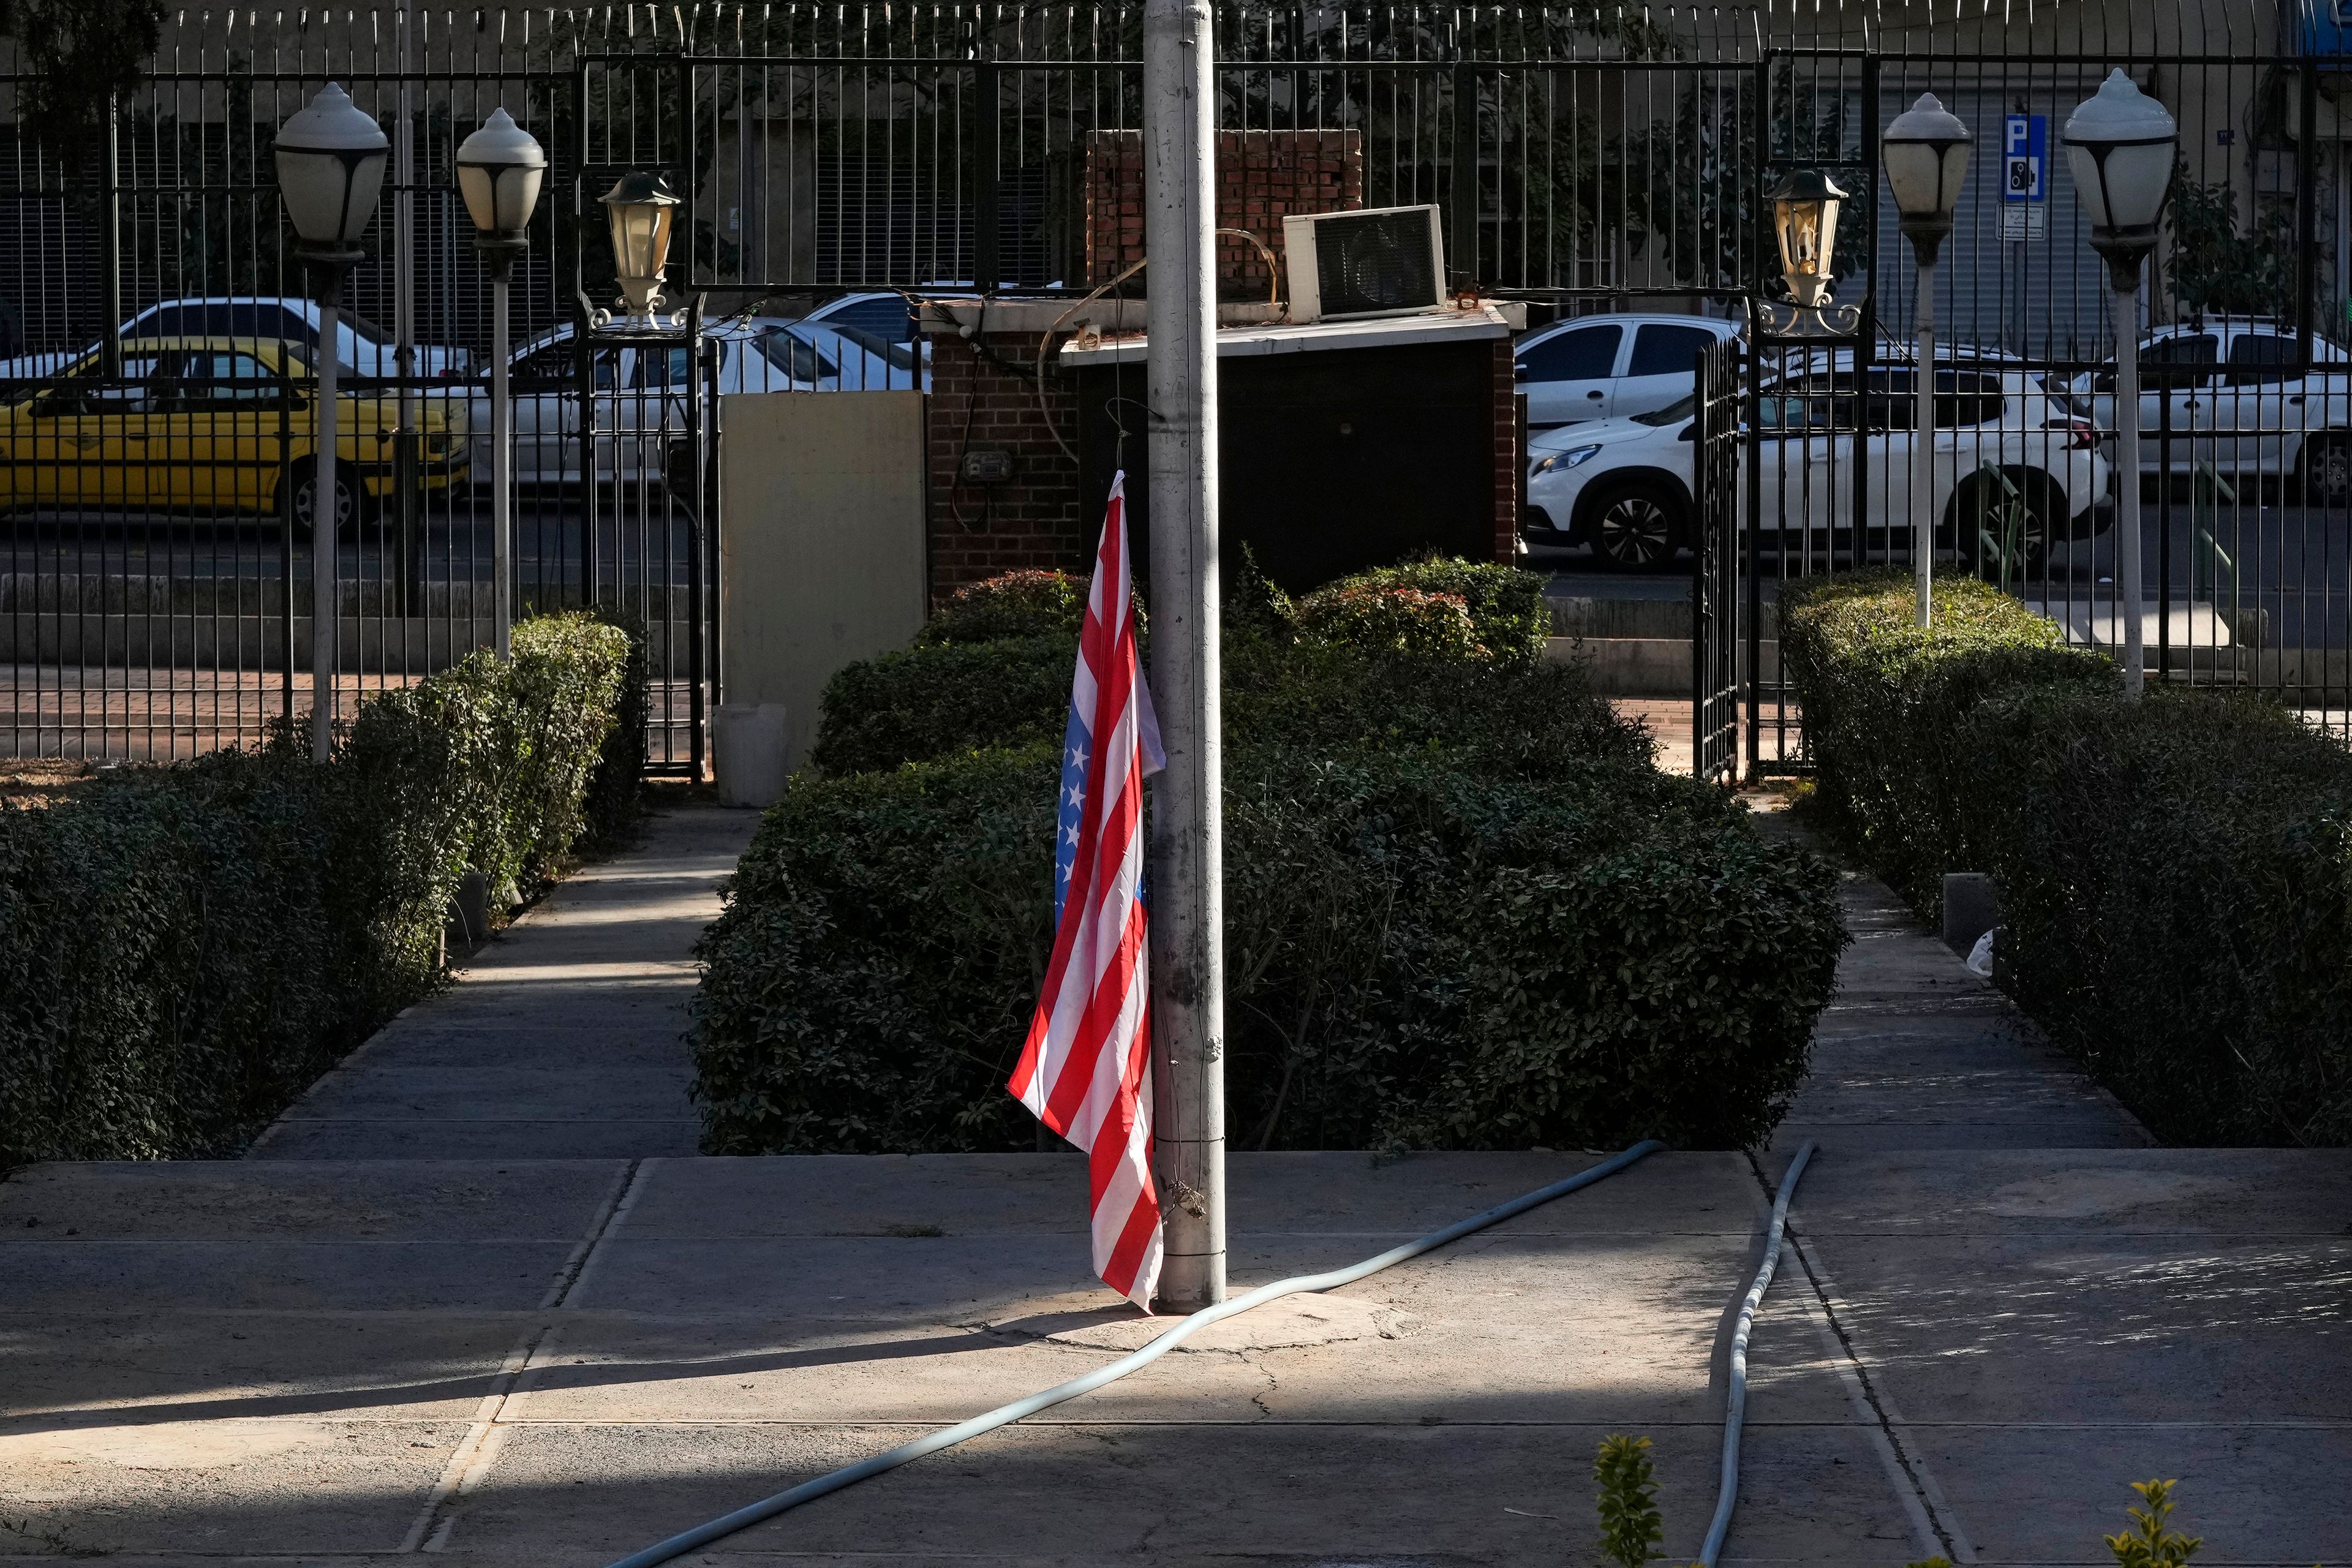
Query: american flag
[{"x": 1085, "y": 1070}]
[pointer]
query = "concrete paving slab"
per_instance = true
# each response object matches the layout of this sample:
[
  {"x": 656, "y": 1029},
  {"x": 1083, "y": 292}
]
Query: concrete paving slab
[
  {"x": 273, "y": 1488},
  {"x": 1333, "y": 1194},
  {"x": 191, "y": 1365},
  {"x": 563, "y": 1037},
  {"x": 1440, "y": 1493},
  {"x": 2041, "y": 1496},
  {"x": 217, "y": 1276},
  {"x": 2203, "y": 1193},
  {"x": 573, "y": 1137},
  {"x": 194, "y": 1201}
]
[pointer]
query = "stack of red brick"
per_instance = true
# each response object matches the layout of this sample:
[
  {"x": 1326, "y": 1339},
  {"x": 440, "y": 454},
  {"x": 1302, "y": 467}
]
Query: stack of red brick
[{"x": 1262, "y": 176}]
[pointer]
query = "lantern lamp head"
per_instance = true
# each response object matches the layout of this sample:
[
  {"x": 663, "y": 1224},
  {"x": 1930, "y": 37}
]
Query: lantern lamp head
[
  {"x": 500, "y": 170},
  {"x": 330, "y": 160},
  {"x": 639, "y": 207},
  {"x": 1925, "y": 152},
  {"x": 1805, "y": 213},
  {"x": 2121, "y": 146}
]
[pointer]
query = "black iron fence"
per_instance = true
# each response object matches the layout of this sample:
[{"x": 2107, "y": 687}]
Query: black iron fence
[{"x": 153, "y": 570}]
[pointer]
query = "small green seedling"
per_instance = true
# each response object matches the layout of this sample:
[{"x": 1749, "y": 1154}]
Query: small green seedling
[
  {"x": 1629, "y": 1527},
  {"x": 2154, "y": 1546}
]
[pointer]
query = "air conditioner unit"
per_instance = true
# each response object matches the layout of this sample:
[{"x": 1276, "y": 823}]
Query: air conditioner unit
[{"x": 1378, "y": 261}]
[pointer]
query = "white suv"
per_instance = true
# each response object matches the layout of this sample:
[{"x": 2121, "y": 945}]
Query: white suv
[
  {"x": 1608, "y": 367},
  {"x": 2235, "y": 401},
  {"x": 1624, "y": 486}
]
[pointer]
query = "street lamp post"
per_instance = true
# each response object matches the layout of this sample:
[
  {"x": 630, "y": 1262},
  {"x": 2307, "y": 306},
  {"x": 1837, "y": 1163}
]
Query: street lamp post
[
  {"x": 1926, "y": 151},
  {"x": 1805, "y": 204},
  {"x": 639, "y": 208},
  {"x": 329, "y": 159},
  {"x": 2120, "y": 146},
  {"x": 500, "y": 168}
]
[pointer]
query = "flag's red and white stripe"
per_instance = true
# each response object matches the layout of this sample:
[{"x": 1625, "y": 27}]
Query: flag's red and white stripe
[{"x": 1085, "y": 1070}]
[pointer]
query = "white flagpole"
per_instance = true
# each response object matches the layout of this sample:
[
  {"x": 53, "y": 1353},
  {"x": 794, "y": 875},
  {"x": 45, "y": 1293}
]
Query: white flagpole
[{"x": 1188, "y": 964}]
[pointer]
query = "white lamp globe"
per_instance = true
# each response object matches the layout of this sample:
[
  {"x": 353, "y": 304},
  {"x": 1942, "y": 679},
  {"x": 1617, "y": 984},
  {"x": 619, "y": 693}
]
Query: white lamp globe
[
  {"x": 500, "y": 170},
  {"x": 1925, "y": 152},
  {"x": 2120, "y": 145},
  {"x": 330, "y": 160}
]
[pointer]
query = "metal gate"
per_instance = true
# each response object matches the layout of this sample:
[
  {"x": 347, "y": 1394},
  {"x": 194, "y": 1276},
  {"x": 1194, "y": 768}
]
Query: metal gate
[
  {"x": 1586, "y": 158},
  {"x": 1719, "y": 651}
]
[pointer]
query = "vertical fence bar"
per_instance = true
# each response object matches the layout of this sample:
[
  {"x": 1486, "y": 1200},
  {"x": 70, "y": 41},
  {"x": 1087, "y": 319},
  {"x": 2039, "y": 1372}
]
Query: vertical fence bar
[{"x": 987, "y": 222}]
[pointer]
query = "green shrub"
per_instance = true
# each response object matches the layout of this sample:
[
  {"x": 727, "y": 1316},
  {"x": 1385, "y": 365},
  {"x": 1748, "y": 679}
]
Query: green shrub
[
  {"x": 969, "y": 682},
  {"x": 2175, "y": 875},
  {"x": 1505, "y": 604},
  {"x": 1882, "y": 703},
  {"x": 944, "y": 699},
  {"x": 1420, "y": 953},
  {"x": 1011, "y": 604},
  {"x": 616, "y": 801},
  {"x": 1387, "y": 620},
  {"x": 183, "y": 949}
]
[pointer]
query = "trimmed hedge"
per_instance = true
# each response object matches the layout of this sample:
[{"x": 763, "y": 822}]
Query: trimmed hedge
[
  {"x": 1420, "y": 955},
  {"x": 183, "y": 949},
  {"x": 1463, "y": 911},
  {"x": 1389, "y": 620},
  {"x": 1509, "y": 617},
  {"x": 2175, "y": 875},
  {"x": 1014, "y": 605},
  {"x": 942, "y": 699}
]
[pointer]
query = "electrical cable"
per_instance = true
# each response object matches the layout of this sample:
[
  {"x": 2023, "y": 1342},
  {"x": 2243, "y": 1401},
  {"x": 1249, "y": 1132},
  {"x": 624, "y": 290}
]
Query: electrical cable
[
  {"x": 1736, "y": 1406},
  {"x": 1005, "y": 1414}
]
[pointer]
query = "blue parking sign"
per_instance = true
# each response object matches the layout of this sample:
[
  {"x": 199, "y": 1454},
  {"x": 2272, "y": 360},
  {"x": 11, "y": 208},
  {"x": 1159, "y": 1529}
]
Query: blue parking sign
[{"x": 2025, "y": 154}]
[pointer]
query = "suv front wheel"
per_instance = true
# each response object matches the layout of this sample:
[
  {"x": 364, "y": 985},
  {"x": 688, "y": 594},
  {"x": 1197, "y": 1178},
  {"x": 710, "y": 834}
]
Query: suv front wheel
[
  {"x": 1634, "y": 526},
  {"x": 2328, "y": 469}
]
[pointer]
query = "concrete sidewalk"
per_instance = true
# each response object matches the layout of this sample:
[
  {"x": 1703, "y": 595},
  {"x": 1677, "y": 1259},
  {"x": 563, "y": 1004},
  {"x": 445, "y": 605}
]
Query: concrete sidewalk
[
  {"x": 1997, "y": 1312},
  {"x": 562, "y": 1037}
]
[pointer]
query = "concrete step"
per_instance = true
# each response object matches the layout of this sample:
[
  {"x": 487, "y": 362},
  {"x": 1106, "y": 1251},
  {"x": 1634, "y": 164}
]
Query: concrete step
[{"x": 1645, "y": 666}]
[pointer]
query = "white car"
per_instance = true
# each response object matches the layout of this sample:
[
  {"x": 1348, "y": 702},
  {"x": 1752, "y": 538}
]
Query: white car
[
  {"x": 1608, "y": 367},
  {"x": 364, "y": 348},
  {"x": 642, "y": 390},
  {"x": 2237, "y": 401},
  {"x": 1624, "y": 486},
  {"x": 887, "y": 316}
]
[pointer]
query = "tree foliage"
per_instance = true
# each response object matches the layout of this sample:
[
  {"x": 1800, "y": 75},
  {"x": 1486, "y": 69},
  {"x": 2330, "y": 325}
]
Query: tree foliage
[{"x": 78, "y": 56}]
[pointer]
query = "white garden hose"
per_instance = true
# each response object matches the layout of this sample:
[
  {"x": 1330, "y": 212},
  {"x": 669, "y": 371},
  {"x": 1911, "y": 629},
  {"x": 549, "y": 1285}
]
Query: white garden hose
[
  {"x": 1005, "y": 1414},
  {"x": 1735, "y": 1407}
]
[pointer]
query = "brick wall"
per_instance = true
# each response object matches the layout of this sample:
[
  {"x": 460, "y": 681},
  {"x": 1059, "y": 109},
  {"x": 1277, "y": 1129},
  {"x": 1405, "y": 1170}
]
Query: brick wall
[
  {"x": 1508, "y": 456},
  {"x": 980, "y": 406},
  {"x": 1261, "y": 176}
]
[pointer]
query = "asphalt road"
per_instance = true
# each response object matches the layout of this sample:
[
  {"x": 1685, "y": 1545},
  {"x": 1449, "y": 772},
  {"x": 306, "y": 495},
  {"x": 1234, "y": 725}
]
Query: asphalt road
[
  {"x": 637, "y": 545},
  {"x": 2294, "y": 563}
]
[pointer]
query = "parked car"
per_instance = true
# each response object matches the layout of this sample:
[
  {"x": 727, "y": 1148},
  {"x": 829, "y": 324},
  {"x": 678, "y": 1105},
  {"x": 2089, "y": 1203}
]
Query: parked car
[
  {"x": 364, "y": 347},
  {"x": 883, "y": 315},
  {"x": 1625, "y": 486},
  {"x": 1611, "y": 367},
  {"x": 208, "y": 425},
  {"x": 641, "y": 391},
  {"x": 2238, "y": 401}
]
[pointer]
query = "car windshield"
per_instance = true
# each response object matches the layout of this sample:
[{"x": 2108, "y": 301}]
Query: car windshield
[
  {"x": 900, "y": 356},
  {"x": 1672, "y": 412}
]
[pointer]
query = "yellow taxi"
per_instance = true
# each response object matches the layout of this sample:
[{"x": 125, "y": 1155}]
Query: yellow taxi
[{"x": 211, "y": 424}]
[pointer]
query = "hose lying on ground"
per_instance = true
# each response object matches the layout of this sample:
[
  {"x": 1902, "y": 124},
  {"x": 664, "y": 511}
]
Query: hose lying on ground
[
  {"x": 1005, "y": 1414},
  {"x": 1735, "y": 1407}
]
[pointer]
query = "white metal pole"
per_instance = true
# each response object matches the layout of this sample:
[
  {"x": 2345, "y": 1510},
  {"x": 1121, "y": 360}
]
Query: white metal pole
[
  {"x": 2127, "y": 566},
  {"x": 501, "y": 465},
  {"x": 322, "y": 529},
  {"x": 1923, "y": 444},
  {"x": 1187, "y": 967}
]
